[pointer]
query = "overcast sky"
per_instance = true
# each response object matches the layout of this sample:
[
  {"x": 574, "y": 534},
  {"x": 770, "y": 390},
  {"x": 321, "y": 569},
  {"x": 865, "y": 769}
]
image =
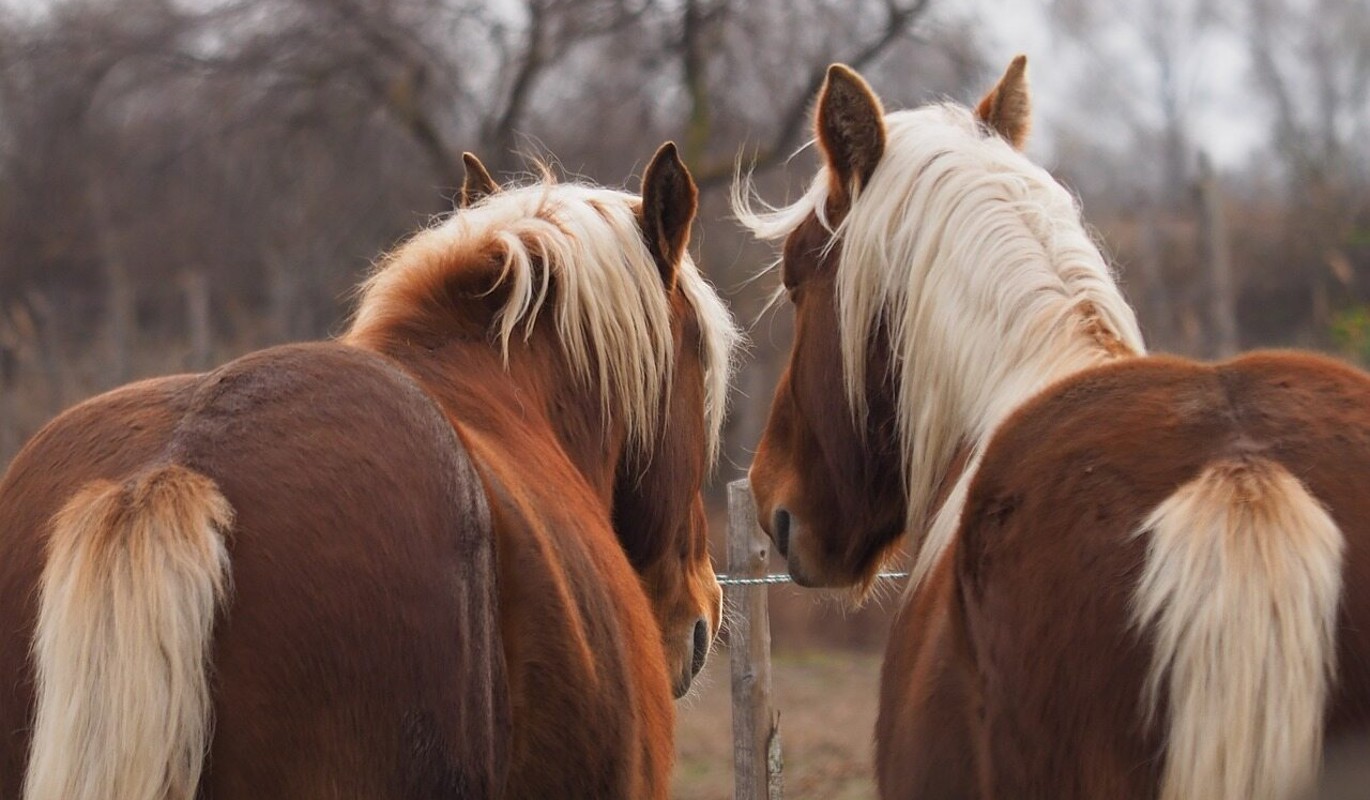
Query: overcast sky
[
  {"x": 1223, "y": 119},
  {"x": 1071, "y": 90}
]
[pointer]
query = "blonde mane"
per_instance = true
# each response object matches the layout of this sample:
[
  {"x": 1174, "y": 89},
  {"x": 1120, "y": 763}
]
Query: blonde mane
[
  {"x": 979, "y": 264},
  {"x": 611, "y": 311}
]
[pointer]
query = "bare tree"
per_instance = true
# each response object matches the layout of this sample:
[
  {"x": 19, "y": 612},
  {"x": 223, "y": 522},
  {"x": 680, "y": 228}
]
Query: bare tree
[
  {"x": 1310, "y": 71},
  {"x": 1217, "y": 255},
  {"x": 840, "y": 37},
  {"x": 275, "y": 147},
  {"x": 1145, "y": 71},
  {"x": 1309, "y": 67}
]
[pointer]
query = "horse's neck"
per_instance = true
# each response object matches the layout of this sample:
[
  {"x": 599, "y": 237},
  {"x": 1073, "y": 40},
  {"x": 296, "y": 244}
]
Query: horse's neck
[
  {"x": 1085, "y": 343},
  {"x": 1083, "y": 348},
  {"x": 530, "y": 415}
]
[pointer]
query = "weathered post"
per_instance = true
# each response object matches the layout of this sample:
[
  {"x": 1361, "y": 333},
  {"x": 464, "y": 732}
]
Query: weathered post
[
  {"x": 1217, "y": 256},
  {"x": 756, "y": 726},
  {"x": 195, "y": 285}
]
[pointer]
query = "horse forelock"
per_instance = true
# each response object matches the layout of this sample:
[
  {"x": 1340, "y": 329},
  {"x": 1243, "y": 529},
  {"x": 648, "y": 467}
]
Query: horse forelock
[
  {"x": 989, "y": 283},
  {"x": 609, "y": 308}
]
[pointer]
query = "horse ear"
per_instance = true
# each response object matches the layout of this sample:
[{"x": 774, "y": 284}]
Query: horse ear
[
  {"x": 1007, "y": 109},
  {"x": 477, "y": 185},
  {"x": 851, "y": 130},
  {"x": 669, "y": 202}
]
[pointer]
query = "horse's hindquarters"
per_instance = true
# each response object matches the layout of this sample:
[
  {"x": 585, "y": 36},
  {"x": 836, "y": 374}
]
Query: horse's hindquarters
[
  {"x": 359, "y": 654},
  {"x": 107, "y": 438},
  {"x": 1077, "y": 596}
]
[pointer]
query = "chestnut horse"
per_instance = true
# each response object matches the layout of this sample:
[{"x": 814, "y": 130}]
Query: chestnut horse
[
  {"x": 459, "y": 552},
  {"x": 1133, "y": 576}
]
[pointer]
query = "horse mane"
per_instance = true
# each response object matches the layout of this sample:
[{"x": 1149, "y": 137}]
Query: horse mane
[
  {"x": 611, "y": 312},
  {"x": 980, "y": 265}
]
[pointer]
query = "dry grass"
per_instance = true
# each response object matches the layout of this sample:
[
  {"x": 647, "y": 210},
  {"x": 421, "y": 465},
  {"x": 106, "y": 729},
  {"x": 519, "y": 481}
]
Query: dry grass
[{"x": 827, "y": 702}]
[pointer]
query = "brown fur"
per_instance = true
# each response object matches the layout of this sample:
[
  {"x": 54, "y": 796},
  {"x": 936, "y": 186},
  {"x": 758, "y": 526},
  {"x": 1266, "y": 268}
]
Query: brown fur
[
  {"x": 1099, "y": 332},
  {"x": 811, "y": 423},
  {"x": 1063, "y": 517},
  {"x": 1007, "y": 108},
  {"x": 849, "y": 130},
  {"x": 1037, "y": 657},
  {"x": 306, "y": 648},
  {"x": 450, "y": 578},
  {"x": 980, "y": 695},
  {"x": 477, "y": 183},
  {"x": 669, "y": 202}
]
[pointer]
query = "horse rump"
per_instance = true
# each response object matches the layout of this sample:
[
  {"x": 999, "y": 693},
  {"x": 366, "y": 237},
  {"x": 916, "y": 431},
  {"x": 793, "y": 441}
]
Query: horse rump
[{"x": 1240, "y": 592}]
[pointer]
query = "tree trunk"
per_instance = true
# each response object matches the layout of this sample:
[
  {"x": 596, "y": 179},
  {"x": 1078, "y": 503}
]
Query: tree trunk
[
  {"x": 1217, "y": 257},
  {"x": 195, "y": 285}
]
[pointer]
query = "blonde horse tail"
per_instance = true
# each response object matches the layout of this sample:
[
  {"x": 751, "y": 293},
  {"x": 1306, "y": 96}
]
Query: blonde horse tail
[
  {"x": 135, "y": 574},
  {"x": 1240, "y": 591}
]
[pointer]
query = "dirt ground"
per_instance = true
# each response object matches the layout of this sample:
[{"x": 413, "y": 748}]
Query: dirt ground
[{"x": 827, "y": 702}]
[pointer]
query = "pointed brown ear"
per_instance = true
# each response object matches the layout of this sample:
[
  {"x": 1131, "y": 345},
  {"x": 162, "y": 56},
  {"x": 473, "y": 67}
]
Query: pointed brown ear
[
  {"x": 669, "y": 202},
  {"x": 851, "y": 131},
  {"x": 478, "y": 184},
  {"x": 1007, "y": 109}
]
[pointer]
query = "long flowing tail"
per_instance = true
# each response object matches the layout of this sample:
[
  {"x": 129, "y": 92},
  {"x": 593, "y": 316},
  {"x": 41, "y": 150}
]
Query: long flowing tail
[
  {"x": 1240, "y": 591},
  {"x": 135, "y": 574}
]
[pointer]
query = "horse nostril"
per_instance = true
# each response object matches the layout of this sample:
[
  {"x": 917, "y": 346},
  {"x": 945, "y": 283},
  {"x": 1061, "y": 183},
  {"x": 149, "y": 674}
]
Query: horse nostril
[
  {"x": 780, "y": 529},
  {"x": 701, "y": 647}
]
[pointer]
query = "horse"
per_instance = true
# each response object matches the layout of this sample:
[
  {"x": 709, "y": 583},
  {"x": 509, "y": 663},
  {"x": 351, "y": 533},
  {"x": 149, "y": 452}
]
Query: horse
[
  {"x": 459, "y": 551},
  {"x": 1133, "y": 575}
]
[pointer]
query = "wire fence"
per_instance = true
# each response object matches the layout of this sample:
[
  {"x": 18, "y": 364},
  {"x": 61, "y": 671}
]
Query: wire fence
[
  {"x": 730, "y": 580},
  {"x": 758, "y": 762}
]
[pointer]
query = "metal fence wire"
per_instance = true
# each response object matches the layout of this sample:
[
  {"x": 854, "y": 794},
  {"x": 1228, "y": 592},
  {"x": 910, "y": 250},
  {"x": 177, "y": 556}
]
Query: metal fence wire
[{"x": 728, "y": 580}]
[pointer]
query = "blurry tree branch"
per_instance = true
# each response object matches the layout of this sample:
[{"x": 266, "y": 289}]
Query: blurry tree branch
[
  {"x": 211, "y": 177},
  {"x": 788, "y": 133},
  {"x": 530, "y": 63},
  {"x": 554, "y": 28}
]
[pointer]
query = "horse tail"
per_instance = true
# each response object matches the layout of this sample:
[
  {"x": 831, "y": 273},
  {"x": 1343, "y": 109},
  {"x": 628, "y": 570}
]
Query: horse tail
[
  {"x": 135, "y": 573},
  {"x": 1241, "y": 587}
]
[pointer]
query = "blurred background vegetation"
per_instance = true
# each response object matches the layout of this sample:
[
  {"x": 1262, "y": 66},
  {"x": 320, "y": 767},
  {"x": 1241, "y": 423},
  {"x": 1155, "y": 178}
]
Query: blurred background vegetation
[{"x": 182, "y": 181}]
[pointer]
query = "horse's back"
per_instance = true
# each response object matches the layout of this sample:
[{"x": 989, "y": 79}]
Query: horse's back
[
  {"x": 1049, "y": 559},
  {"x": 359, "y": 653}
]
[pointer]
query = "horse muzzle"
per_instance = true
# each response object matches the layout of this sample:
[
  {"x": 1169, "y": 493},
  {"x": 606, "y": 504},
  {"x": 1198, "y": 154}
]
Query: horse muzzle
[{"x": 697, "y": 653}]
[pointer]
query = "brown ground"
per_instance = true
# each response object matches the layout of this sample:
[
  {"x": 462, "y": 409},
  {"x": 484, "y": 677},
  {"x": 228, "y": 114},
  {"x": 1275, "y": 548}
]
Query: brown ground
[
  {"x": 827, "y": 720},
  {"x": 827, "y": 702}
]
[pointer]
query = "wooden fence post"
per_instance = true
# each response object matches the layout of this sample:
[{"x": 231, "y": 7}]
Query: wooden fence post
[
  {"x": 199, "y": 330},
  {"x": 1217, "y": 256},
  {"x": 757, "y": 760}
]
